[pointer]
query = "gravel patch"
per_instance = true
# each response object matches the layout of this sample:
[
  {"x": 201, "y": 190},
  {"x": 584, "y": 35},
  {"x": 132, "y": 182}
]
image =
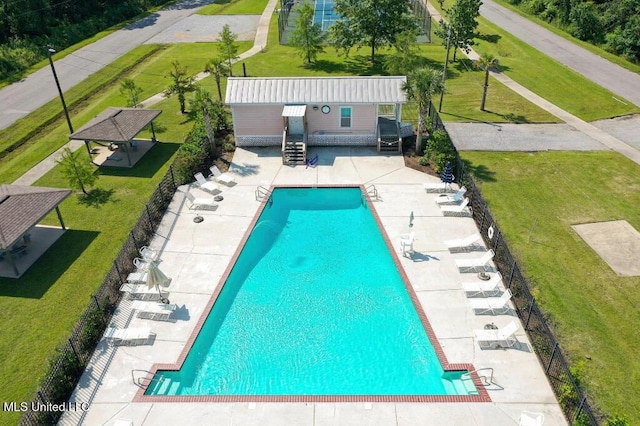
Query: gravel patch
[
  {"x": 202, "y": 28},
  {"x": 520, "y": 137}
]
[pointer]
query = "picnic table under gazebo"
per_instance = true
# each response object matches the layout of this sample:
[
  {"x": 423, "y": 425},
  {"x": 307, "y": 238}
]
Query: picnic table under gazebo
[{"x": 113, "y": 133}]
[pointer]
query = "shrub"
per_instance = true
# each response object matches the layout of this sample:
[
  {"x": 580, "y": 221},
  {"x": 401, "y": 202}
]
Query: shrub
[
  {"x": 228, "y": 147},
  {"x": 423, "y": 161},
  {"x": 440, "y": 150},
  {"x": 585, "y": 22}
]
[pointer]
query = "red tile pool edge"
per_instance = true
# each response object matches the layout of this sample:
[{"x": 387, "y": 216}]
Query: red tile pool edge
[{"x": 483, "y": 394}]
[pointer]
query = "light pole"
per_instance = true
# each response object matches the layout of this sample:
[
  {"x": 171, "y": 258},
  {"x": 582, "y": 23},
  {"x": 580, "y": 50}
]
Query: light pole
[
  {"x": 444, "y": 74},
  {"x": 50, "y": 51}
]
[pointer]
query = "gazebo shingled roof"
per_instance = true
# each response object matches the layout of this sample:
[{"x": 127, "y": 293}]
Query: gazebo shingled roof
[
  {"x": 22, "y": 207},
  {"x": 118, "y": 125}
]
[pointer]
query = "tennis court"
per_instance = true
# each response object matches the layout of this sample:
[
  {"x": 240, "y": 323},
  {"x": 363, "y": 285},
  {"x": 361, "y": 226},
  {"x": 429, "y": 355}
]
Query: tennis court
[{"x": 324, "y": 14}]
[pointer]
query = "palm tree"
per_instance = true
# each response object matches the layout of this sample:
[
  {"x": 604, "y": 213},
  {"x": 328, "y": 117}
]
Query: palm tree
[
  {"x": 421, "y": 85},
  {"x": 218, "y": 69},
  {"x": 486, "y": 62},
  {"x": 182, "y": 83}
]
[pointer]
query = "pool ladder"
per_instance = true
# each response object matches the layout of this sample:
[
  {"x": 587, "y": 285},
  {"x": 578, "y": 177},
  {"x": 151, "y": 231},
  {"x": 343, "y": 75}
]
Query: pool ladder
[
  {"x": 142, "y": 381},
  {"x": 485, "y": 375},
  {"x": 261, "y": 192},
  {"x": 373, "y": 192}
]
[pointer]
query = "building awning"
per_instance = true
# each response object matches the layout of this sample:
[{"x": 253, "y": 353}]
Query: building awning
[{"x": 294, "y": 110}]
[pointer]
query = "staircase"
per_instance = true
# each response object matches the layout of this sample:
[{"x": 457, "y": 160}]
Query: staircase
[
  {"x": 459, "y": 383},
  {"x": 389, "y": 141},
  {"x": 294, "y": 153},
  {"x": 389, "y": 145},
  {"x": 294, "y": 149}
]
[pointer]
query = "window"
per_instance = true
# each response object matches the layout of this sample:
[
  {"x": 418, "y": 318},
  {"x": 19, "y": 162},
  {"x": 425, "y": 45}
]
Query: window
[{"x": 345, "y": 116}]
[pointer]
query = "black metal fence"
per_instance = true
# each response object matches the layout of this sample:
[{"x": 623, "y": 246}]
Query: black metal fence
[
  {"x": 72, "y": 357},
  {"x": 573, "y": 401}
]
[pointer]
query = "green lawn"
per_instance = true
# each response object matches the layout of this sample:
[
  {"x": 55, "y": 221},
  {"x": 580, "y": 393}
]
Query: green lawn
[
  {"x": 234, "y": 7},
  {"x": 536, "y": 197},
  {"x": 48, "y": 300},
  {"x": 544, "y": 76}
]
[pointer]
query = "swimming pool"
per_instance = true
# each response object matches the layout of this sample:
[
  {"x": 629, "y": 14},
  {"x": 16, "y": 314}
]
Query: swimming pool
[
  {"x": 314, "y": 305},
  {"x": 324, "y": 14}
]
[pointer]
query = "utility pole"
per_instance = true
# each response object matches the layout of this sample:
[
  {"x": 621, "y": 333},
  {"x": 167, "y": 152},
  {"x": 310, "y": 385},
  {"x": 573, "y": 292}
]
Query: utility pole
[
  {"x": 51, "y": 51},
  {"x": 446, "y": 63}
]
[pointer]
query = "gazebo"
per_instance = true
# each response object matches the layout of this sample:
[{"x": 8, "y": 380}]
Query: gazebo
[
  {"x": 21, "y": 241},
  {"x": 117, "y": 128}
]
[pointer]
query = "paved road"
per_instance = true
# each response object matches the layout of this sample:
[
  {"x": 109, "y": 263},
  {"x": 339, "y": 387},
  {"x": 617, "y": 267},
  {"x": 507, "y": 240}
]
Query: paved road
[
  {"x": 618, "y": 80},
  {"x": 19, "y": 99}
]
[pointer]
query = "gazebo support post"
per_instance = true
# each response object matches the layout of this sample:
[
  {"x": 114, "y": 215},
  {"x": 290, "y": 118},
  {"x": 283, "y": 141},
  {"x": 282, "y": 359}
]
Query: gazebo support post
[
  {"x": 60, "y": 218},
  {"x": 153, "y": 134},
  {"x": 126, "y": 150},
  {"x": 87, "y": 144},
  {"x": 13, "y": 264}
]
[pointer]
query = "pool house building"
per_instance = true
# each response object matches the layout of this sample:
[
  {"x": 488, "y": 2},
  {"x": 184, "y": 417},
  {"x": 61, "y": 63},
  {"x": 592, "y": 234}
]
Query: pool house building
[{"x": 296, "y": 112}]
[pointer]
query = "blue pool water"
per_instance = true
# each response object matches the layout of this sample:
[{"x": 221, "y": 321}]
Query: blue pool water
[
  {"x": 313, "y": 306},
  {"x": 324, "y": 14}
]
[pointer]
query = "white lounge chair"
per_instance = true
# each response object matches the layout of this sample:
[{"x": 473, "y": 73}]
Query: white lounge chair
[
  {"x": 128, "y": 336},
  {"x": 153, "y": 310},
  {"x": 527, "y": 418},
  {"x": 461, "y": 209},
  {"x": 456, "y": 198},
  {"x": 137, "y": 277},
  {"x": 203, "y": 183},
  {"x": 199, "y": 202},
  {"x": 148, "y": 254},
  {"x": 224, "y": 178},
  {"x": 483, "y": 288},
  {"x": 406, "y": 243},
  {"x": 471, "y": 265},
  {"x": 492, "y": 305},
  {"x": 472, "y": 242},
  {"x": 437, "y": 187},
  {"x": 142, "y": 292},
  {"x": 140, "y": 264},
  {"x": 504, "y": 337}
]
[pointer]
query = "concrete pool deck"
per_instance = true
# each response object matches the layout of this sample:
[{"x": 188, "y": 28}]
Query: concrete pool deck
[{"x": 195, "y": 255}]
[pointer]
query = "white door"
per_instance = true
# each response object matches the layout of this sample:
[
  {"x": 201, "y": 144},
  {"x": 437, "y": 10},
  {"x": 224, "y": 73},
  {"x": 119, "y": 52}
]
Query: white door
[{"x": 296, "y": 125}]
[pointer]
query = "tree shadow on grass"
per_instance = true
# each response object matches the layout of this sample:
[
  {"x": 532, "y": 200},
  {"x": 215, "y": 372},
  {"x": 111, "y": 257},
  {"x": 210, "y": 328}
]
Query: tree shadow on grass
[
  {"x": 323, "y": 65},
  {"x": 46, "y": 271},
  {"x": 490, "y": 38},
  {"x": 97, "y": 197},
  {"x": 480, "y": 171}
]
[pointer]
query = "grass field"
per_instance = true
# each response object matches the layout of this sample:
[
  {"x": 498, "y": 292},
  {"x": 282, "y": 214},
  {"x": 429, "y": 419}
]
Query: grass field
[
  {"x": 234, "y": 7},
  {"x": 50, "y": 297},
  {"x": 536, "y": 197}
]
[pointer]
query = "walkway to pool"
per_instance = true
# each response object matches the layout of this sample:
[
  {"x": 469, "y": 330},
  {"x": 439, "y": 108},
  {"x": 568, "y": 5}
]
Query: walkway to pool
[{"x": 195, "y": 255}]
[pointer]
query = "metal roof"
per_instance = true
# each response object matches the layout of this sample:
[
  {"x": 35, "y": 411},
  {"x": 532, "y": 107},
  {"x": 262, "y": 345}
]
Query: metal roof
[
  {"x": 294, "y": 110},
  {"x": 118, "y": 125},
  {"x": 22, "y": 207},
  {"x": 315, "y": 90}
]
